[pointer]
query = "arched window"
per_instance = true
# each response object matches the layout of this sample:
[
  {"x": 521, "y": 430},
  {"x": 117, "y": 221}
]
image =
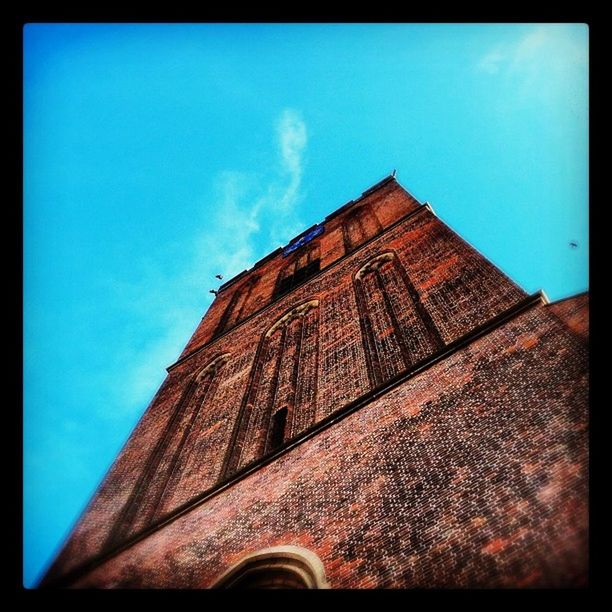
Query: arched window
[
  {"x": 165, "y": 460},
  {"x": 281, "y": 398},
  {"x": 397, "y": 329},
  {"x": 237, "y": 308},
  {"x": 305, "y": 263},
  {"x": 360, "y": 225},
  {"x": 279, "y": 567}
]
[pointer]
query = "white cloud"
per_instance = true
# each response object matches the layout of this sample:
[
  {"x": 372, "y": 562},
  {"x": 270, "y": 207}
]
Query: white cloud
[
  {"x": 293, "y": 138},
  {"x": 546, "y": 64},
  {"x": 491, "y": 61},
  {"x": 553, "y": 47},
  {"x": 531, "y": 44},
  {"x": 249, "y": 217}
]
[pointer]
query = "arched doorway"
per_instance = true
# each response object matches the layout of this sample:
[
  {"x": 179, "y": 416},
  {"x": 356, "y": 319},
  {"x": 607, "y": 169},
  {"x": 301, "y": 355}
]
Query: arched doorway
[{"x": 279, "y": 567}]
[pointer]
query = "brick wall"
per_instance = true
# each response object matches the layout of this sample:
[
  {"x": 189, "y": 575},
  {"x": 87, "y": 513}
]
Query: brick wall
[
  {"x": 470, "y": 474},
  {"x": 372, "y": 312},
  {"x": 574, "y": 312}
]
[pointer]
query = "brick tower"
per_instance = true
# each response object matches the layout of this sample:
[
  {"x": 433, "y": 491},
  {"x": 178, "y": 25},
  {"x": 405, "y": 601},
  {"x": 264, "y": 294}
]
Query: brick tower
[{"x": 374, "y": 405}]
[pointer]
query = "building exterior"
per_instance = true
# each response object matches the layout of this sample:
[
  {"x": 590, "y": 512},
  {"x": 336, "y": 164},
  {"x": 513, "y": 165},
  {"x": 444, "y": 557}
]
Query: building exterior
[{"x": 374, "y": 405}]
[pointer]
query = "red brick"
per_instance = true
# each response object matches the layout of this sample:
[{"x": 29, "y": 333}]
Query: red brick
[{"x": 470, "y": 472}]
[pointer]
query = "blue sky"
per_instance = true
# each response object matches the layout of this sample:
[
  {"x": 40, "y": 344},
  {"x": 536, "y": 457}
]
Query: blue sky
[{"x": 157, "y": 156}]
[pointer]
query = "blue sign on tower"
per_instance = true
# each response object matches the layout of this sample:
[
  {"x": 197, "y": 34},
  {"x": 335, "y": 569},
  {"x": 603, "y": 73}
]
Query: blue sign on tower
[{"x": 317, "y": 230}]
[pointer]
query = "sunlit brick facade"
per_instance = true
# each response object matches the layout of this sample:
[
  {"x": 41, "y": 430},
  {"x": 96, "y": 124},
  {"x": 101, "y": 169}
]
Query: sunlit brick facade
[{"x": 376, "y": 394}]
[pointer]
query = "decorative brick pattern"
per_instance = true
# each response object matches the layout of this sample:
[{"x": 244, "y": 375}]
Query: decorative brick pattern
[
  {"x": 284, "y": 372},
  {"x": 360, "y": 225},
  {"x": 201, "y": 462},
  {"x": 469, "y": 473},
  {"x": 397, "y": 331},
  {"x": 167, "y": 460}
]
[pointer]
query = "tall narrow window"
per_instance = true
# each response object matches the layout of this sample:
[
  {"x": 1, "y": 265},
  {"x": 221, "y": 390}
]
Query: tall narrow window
[
  {"x": 304, "y": 265},
  {"x": 360, "y": 225},
  {"x": 397, "y": 330},
  {"x": 281, "y": 398},
  {"x": 277, "y": 430}
]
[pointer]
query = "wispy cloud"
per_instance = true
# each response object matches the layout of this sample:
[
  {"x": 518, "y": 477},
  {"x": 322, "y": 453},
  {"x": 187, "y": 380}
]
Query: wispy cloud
[
  {"x": 553, "y": 43},
  {"x": 293, "y": 138},
  {"x": 491, "y": 61},
  {"x": 251, "y": 215},
  {"x": 545, "y": 64}
]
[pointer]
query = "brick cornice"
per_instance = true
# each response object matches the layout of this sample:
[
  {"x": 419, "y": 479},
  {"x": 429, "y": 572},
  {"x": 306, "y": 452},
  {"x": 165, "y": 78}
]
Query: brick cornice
[{"x": 487, "y": 327}]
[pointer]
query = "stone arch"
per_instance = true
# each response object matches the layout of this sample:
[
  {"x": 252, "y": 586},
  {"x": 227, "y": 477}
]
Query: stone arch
[
  {"x": 294, "y": 313},
  {"x": 278, "y": 567},
  {"x": 211, "y": 368}
]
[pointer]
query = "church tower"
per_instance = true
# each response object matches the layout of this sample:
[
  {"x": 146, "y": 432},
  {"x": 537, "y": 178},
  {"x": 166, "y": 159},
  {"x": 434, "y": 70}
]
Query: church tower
[{"x": 375, "y": 405}]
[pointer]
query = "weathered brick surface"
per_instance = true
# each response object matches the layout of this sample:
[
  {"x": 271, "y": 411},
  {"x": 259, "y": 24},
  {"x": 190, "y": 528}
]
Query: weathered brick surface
[
  {"x": 471, "y": 474},
  {"x": 574, "y": 312},
  {"x": 371, "y": 313}
]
